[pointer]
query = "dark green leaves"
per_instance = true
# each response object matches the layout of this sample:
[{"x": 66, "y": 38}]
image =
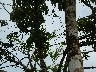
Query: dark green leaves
[
  {"x": 28, "y": 14},
  {"x": 85, "y": 55},
  {"x": 93, "y": 1},
  {"x": 85, "y": 25},
  {"x": 6, "y": 45},
  {"x": 61, "y": 4},
  {"x": 12, "y": 37},
  {"x": 3, "y": 23},
  {"x": 88, "y": 27}
]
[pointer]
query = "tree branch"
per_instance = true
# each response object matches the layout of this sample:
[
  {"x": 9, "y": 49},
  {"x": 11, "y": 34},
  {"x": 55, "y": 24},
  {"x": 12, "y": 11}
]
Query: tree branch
[
  {"x": 61, "y": 62},
  {"x": 86, "y": 3},
  {"x": 7, "y": 54},
  {"x": 89, "y": 67},
  {"x": 4, "y": 8},
  {"x": 30, "y": 60},
  {"x": 5, "y": 4}
]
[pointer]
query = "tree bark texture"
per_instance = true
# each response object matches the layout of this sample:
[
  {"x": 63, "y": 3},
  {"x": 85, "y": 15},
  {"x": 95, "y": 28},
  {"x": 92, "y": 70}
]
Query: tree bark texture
[{"x": 74, "y": 59}]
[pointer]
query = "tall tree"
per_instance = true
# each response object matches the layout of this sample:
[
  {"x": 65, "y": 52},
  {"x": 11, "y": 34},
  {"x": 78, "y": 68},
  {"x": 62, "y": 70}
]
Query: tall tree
[
  {"x": 83, "y": 25},
  {"x": 28, "y": 13},
  {"x": 74, "y": 58}
]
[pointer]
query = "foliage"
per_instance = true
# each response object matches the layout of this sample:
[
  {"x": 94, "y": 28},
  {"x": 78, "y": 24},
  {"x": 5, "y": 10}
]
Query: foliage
[
  {"x": 89, "y": 29},
  {"x": 55, "y": 54},
  {"x": 28, "y": 14},
  {"x": 86, "y": 25},
  {"x": 93, "y": 1},
  {"x": 61, "y": 4},
  {"x": 3, "y": 23}
]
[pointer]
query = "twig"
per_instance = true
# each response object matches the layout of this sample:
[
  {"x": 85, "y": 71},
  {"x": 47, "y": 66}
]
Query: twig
[
  {"x": 3, "y": 63},
  {"x": 89, "y": 67},
  {"x": 61, "y": 62},
  {"x": 86, "y": 3},
  {"x": 5, "y": 4},
  {"x": 4, "y": 7}
]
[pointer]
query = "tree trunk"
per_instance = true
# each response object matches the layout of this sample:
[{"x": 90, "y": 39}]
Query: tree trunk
[
  {"x": 42, "y": 63},
  {"x": 74, "y": 59}
]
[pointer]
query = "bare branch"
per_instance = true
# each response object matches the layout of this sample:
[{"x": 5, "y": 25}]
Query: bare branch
[
  {"x": 7, "y": 54},
  {"x": 61, "y": 62},
  {"x": 30, "y": 59},
  {"x": 3, "y": 63},
  {"x": 87, "y": 3},
  {"x": 89, "y": 67},
  {"x": 4, "y": 7},
  {"x": 5, "y": 4}
]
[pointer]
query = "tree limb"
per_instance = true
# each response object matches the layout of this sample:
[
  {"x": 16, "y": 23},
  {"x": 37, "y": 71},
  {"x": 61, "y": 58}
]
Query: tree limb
[
  {"x": 61, "y": 62},
  {"x": 89, "y": 67},
  {"x": 4, "y": 8},
  {"x": 30, "y": 60},
  {"x": 86, "y": 3},
  {"x": 7, "y": 54}
]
